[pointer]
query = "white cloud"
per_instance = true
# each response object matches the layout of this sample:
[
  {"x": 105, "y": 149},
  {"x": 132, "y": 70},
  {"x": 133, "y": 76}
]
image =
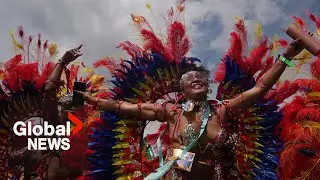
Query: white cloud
[
  {"x": 101, "y": 25},
  {"x": 252, "y": 11}
]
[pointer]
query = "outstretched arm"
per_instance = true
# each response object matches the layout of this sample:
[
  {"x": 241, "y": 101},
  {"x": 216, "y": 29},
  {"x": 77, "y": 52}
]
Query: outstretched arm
[
  {"x": 266, "y": 82},
  {"x": 143, "y": 111}
]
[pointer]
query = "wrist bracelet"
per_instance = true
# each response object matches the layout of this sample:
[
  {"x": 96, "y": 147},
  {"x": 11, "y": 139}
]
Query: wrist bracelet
[
  {"x": 119, "y": 103},
  {"x": 286, "y": 61},
  {"x": 62, "y": 62}
]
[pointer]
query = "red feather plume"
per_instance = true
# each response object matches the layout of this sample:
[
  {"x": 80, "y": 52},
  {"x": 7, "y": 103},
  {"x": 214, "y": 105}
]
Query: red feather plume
[
  {"x": 290, "y": 111},
  {"x": 280, "y": 93},
  {"x": 12, "y": 63},
  {"x": 107, "y": 62},
  {"x": 282, "y": 43},
  {"x": 308, "y": 114},
  {"x": 178, "y": 42},
  {"x": 48, "y": 68},
  {"x": 306, "y": 84},
  {"x": 132, "y": 49},
  {"x": 256, "y": 55},
  {"x": 220, "y": 72},
  {"x": 315, "y": 19},
  {"x": 236, "y": 48},
  {"x": 154, "y": 44},
  {"x": 315, "y": 69},
  {"x": 104, "y": 94},
  {"x": 299, "y": 22},
  {"x": 74, "y": 69},
  {"x": 241, "y": 29},
  {"x": 27, "y": 72}
]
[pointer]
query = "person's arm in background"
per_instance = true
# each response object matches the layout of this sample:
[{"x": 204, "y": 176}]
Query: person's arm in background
[
  {"x": 50, "y": 106},
  {"x": 266, "y": 82}
]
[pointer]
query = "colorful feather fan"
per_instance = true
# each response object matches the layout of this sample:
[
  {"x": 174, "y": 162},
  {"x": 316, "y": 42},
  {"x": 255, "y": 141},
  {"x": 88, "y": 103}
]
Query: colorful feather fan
[
  {"x": 116, "y": 142},
  {"x": 257, "y": 147}
]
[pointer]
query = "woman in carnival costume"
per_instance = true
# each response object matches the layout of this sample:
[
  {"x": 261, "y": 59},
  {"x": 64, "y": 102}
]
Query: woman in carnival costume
[
  {"x": 229, "y": 138},
  {"x": 33, "y": 90}
]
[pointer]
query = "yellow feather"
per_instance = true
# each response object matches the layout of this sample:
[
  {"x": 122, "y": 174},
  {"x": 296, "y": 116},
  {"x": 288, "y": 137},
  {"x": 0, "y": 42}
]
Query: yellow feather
[
  {"x": 275, "y": 45},
  {"x": 166, "y": 72},
  {"x": 226, "y": 85},
  {"x": 254, "y": 158},
  {"x": 237, "y": 18},
  {"x": 144, "y": 86},
  {"x": 310, "y": 124},
  {"x": 258, "y": 144},
  {"x": 14, "y": 41},
  {"x": 121, "y": 145},
  {"x": 304, "y": 57},
  {"x": 258, "y": 31},
  {"x": 178, "y": 68},
  {"x": 97, "y": 80},
  {"x": 18, "y": 45},
  {"x": 150, "y": 81},
  {"x": 87, "y": 70},
  {"x": 124, "y": 178},
  {"x": 121, "y": 129},
  {"x": 173, "y": 73},
  {"x": 314, "y": 94},
  {"x": 119, "y": 171},
  {"x": 121, "y": 136},
  {"x": 132, "y": 100},
  {"x": 250, "y": 119},
  {"x": 119, "y": 154},
  {"x": 1, "y": 76},
  {"x": 139, "y": 92},
  {"x": 53, "y": 49},
  {"x": 121, "y": 162},
  {"x": 148, "y": 6},
  {"x": 256, "y": 127},
  {"x": 159, "y": 73},
  {"x": 124, "y": 122}
]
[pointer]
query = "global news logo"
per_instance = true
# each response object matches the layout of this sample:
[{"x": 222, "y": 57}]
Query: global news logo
[{"x": 43, "y": 136}]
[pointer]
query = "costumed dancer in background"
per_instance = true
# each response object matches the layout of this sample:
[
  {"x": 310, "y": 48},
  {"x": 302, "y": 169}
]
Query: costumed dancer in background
[
  {"x": 229, "y": 139},
  {"x": 32, "y": 90},
  {"x": 300, "y": 125}
]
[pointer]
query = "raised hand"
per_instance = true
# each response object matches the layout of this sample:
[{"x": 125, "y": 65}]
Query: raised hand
[{"x": 71, "y": 55}]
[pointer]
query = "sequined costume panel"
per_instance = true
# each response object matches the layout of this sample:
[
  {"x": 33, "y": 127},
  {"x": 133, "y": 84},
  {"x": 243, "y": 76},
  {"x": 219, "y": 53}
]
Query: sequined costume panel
[{"x": 220, "y": 166}]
